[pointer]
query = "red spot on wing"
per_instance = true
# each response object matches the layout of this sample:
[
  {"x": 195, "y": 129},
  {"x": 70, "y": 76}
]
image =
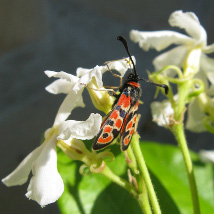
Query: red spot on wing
[
  {"x": 118, "y": 123},
  {"x": 129, "y": 125},
  {"x": 104, "y": 140},
  {"x": 124, "y": 101},
  {"x": 131, "y": 132},
  {"x": 107, "y": 129},
  {"x": 114, "y": 114},
  {"x": 126, "y": 141},
  {"x": 135, "y": 84}
]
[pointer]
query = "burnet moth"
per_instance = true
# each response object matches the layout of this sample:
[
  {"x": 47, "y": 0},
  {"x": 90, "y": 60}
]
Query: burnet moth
[{"x": 122, "y": 118}]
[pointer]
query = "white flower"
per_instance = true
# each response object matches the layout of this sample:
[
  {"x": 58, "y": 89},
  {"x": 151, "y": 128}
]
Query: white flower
[
  {"x": 207, "y": 156},
  {"x": 86, "y": 75},
  {"x": 162, "y": 112},
  {"x": 191, "y": 53},
  {"x": 93, "y": 79},
  {"x": 160, "y": 40},
  {"x": 121, "y": 65},
  {"x": 46, "y": 185}
]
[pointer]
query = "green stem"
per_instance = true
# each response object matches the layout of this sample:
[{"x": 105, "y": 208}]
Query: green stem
[
  {"x": 143, "y": 198},
  {"x": 171, "y": 97},
  {"x": 183, "y": 90},
  {"x": 121, "y": 182},
  {"x": 178, "y": 131},
  {"x": 145, "y": 174}
]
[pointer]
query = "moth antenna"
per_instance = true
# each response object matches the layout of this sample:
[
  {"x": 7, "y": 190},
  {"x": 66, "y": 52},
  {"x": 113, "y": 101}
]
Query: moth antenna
[
  {"x": 123, "y": 40},
  {"x": 166, "y": 88}
]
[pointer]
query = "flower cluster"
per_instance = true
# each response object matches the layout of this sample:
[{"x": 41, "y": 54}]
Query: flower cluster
[
  {"x": 46, "y": 184},
  {"x": 198, "y": 70}
]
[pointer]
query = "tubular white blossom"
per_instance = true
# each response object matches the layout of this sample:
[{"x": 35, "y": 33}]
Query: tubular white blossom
[
  {"x": 192, "y": 47},
  {"x": 46, "y": 185}
]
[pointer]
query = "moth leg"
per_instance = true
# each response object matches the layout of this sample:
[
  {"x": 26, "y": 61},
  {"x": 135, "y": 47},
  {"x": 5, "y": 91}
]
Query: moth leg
[
  {"x": 116, "y": 75},
  {"x": 99, "y": 89},
  {"x": 111, "y": 87}
]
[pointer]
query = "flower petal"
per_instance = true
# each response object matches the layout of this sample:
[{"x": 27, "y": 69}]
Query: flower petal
[
  {"x": 63, "y": 85},
  {"x": 62, "y": 75},
  {"x": 190, "y": 23},
  {"x": 46, "y": 185},
  {"x": 121, "y": 65},
  {"x": 207, "y": 66},
  {"x": 161, "y": 112},
  {"x": 159, "y": 40},
  {"x": 20, "y": 175},
  {"x": 87, "y": 78},
  {"x": 81, "y": 71},
  {"x": 83, "y": 130},
  {"x": 207, "y": 156},
  {"x": 195, "y": 117},
  {"x": 174, "y": 56},
  {"x": 209, "y": 49},
  {"x": 59, "y": 86},
  {"x": 71, "y": 101}
]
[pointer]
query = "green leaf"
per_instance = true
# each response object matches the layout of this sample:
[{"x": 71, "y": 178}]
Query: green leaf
[
  {"x": 165, "y": 162},
  {"x": 94, "y": 193}
]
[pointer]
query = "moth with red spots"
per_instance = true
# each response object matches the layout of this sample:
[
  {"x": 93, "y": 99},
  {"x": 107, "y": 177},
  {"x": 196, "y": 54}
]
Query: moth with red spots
[{"x": 122, "y": 118}]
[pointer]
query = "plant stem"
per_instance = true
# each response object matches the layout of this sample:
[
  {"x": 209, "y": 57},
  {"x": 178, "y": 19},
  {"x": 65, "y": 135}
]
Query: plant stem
[
  {"x": 178, "y": 131},
  {"x": 121, "y": 182},
  {"x": 143, "y": 198},
  {"x": 145, "y": 174}
]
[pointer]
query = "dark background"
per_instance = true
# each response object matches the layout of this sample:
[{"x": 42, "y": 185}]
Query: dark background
[{"x": 37, "y": 35}]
